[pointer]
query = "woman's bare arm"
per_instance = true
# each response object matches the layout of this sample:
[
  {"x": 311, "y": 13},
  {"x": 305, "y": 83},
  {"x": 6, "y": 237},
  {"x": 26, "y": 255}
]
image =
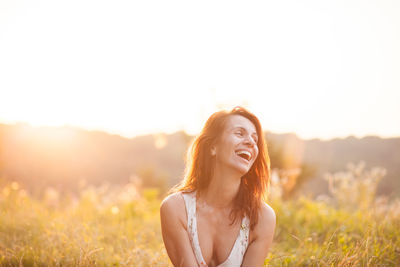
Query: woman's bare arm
[
  {"x": 173, "y": 227},
  {"x": 263, "y": 233}
]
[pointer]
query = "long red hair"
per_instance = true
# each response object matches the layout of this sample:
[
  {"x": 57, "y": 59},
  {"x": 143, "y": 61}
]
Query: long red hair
[{"x": 200, "y": 166}]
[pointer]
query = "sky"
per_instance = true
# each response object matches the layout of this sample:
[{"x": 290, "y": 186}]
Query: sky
[{"x": 320, "y": 69}]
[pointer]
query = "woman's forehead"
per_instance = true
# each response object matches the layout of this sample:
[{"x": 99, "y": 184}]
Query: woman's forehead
[{"x": 238, "y": 121}]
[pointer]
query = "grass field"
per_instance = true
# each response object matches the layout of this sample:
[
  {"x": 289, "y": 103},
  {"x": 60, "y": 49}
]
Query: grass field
[{"x": 120, "y": 227}]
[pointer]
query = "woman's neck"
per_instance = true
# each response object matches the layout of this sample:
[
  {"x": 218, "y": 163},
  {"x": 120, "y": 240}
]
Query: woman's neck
[{"x": 222, "y": 190}]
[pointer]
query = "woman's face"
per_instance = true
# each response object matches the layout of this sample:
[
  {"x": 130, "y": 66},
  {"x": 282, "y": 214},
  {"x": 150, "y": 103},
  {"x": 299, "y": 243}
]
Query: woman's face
[{"x": 237, "y": 147}]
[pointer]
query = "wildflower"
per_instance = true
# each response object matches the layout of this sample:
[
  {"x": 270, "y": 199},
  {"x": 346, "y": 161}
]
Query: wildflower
[
  {"x": 14, "y": 186},
  {"x": 114, "y": 210}
]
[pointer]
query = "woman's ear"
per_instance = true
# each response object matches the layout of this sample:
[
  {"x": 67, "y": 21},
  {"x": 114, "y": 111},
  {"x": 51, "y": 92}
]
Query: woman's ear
[{"x": 213, "y": 151}]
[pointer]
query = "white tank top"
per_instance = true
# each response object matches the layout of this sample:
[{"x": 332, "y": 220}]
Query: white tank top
[{"x": 235, "y": 258}]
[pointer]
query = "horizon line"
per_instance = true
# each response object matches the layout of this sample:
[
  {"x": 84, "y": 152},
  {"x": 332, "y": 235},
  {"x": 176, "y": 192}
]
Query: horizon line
[{"x": 149, "y": 133}]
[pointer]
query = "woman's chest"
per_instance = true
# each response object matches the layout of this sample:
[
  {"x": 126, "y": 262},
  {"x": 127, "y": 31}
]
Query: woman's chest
[{"x": 217, "y": 236}]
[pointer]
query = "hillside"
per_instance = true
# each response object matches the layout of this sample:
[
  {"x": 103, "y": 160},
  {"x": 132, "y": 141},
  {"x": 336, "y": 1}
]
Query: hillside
[{"x": 66, "y": 158}]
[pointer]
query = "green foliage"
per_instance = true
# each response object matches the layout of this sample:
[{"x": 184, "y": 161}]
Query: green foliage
[
  {"x": 355, "y": 188},
  {"x": 313, "y": 233},
  {"x": 80, "y": 232},
  {"x": 106, "y": 226}
]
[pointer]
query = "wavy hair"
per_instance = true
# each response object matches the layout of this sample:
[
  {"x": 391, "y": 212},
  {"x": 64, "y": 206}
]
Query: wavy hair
[{"x": 200, "y": 166}]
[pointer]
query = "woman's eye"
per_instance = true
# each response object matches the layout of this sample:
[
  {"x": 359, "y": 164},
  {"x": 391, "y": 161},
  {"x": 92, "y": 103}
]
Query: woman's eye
[{"x": 239, "y": 133}]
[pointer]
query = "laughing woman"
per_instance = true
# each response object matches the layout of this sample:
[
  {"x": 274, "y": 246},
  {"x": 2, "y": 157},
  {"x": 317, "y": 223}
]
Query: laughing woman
[{"x": 217, "y": 215}]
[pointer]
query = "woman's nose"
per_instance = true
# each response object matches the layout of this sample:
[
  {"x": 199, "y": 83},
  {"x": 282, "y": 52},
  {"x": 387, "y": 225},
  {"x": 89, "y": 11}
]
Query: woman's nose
[{"x": 250, "y": 141}]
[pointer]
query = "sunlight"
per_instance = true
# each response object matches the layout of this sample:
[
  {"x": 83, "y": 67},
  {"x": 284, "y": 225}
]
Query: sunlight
[
  {"x": 51, "y": 138},
  {"x": 160, "y": 141},
  {"x": 314, "y": 79}
]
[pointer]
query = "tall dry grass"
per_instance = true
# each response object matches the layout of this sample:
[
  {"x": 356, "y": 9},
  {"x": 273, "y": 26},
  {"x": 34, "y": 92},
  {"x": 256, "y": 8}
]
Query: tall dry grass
[
  {"x": 119, "y": 226},
  {"x": 104, "y": 226}
]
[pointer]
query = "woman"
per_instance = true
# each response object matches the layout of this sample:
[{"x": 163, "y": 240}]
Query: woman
[{"x": 216, "y": 216}]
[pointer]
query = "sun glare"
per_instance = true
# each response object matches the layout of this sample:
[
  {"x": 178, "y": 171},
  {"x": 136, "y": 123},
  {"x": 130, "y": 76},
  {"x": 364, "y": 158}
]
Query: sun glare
[
  {"x": 136, "y": 72},
  {"x": 50, "y": 137}
]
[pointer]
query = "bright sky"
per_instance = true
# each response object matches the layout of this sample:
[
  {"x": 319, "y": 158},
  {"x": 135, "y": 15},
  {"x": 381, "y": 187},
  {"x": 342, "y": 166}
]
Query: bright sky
[{"x": 317, "y": 68}]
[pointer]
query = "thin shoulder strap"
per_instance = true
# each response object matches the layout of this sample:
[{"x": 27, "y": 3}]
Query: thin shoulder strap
[{"x": 190, "y": 203}]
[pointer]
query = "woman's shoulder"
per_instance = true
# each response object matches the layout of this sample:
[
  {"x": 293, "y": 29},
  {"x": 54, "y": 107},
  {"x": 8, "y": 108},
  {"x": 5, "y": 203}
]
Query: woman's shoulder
[
  {"x": 173, "y": 206},
  {"x": 267, "y": 213},
  {"x": 172, "y": 200},
  {"x": 265, "y": 226}
]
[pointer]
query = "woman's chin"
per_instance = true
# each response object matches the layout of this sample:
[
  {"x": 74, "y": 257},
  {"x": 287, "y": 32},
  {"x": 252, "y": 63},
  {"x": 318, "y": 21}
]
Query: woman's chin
[
  {"x": 242, "y": 170},
  {"x": 240, "y": 167}
]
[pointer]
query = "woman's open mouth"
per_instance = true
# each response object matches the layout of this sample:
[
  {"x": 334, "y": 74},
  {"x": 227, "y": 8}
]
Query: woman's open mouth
[{"x": 244, "y": 154}]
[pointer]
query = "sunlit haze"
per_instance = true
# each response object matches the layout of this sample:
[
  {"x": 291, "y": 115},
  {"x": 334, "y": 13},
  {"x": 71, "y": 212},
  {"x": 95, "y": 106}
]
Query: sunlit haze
[{"x": 320, "y": 69}]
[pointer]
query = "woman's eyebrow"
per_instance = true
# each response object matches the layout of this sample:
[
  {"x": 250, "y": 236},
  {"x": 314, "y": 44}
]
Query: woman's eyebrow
[
  {"x": 244, "y": 129},
  {"x": 239, "y": 128}
]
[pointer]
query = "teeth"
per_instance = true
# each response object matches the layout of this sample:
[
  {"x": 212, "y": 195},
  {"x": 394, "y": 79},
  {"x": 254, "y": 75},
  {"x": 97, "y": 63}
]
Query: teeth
[{"x": 244, "y": 152}]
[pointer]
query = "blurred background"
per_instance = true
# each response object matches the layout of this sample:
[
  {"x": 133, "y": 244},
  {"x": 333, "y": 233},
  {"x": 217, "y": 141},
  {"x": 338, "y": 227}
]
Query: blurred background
[
  {"x": 95, "y": 92},
  {"x": 100, "y": 100}
]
